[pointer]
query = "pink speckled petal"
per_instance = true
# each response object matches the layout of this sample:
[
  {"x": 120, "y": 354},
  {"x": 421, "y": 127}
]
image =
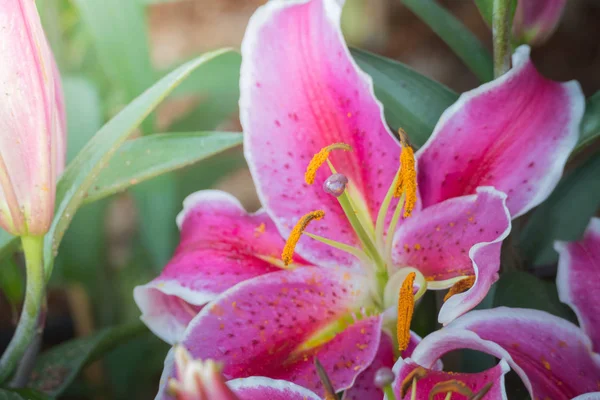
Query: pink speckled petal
[
  {"x": 220, "y": 246},
  {"x": 260, "y": 388},
  {"x": 364, "y": 387},
  {"x": 257, "y": 328},
  {"x": 474, "y": 381},
  {"x": 552, "y": 356},
  {"x": 578, "y": 277},
  {"x": 536, "y": 20},
  {"x": 301, "y": 91},
  {"x": 514, "y": 133},
  {"x": 458, "y": 237}
]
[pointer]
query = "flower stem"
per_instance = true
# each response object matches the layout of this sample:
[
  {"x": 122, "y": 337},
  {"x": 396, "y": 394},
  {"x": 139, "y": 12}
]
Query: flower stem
[
  {"x": 34, "y": 295},
  {"x": 501, "y": 32}
]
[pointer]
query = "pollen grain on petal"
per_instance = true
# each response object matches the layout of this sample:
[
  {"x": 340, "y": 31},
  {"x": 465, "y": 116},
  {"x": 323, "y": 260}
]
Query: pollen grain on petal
[
  {"x": 461, "y": 286},
  {"x": 290, "y": 245},
  {"x": 319, "y": 158},
  {"x": 406, "y": 307},
  {"x": 407, "y": 176}
]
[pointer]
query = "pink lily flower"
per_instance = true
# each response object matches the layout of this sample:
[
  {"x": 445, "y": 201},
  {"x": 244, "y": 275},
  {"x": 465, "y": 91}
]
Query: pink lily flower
[
  {"x": 554, "y": 358},
  {"x": 202, "y": 380},
  {"x": 32, "y": 122},
  {"x": 227, "y": 295},
  {"x": 536, "y": 20}
]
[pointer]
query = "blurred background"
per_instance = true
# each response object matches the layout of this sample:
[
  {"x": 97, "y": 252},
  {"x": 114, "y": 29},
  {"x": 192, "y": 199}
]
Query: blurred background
[{"x": 109, "y": 51}]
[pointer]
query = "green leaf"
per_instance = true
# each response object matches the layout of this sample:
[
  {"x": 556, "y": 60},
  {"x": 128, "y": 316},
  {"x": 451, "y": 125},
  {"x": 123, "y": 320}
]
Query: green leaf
[
  {"x": 522, "y": 290},
  {"x": 56, "y": 368},
  {"x": 590, "y": 125},
  {"x": 8, "y": 244},
  {"x": 462, "y": 41},
  {"x": 118, "y": 29},
  {"x": 564, "y": 215},
  {"x": 84, "y": 112},
  {"x": 411, "y": 101},
  {"x": 22, "y": 394},
  {"x": 11, "y": 282},
  {"x": 149, "y": 156},
  {"x": 82, "y": 172}
]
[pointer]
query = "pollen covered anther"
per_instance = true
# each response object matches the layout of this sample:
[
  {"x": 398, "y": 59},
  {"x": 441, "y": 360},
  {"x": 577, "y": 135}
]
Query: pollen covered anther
[
  {"x": 461, "y": 286},
  {"x": 415, "y": 374},
  {"x": 319, "y": 158},
  {"x": 453, "y": 386},
  {"x": 406, "y": 307},
  {"x": 290, "y": 245},
  {"x": 407, "y": 176}
]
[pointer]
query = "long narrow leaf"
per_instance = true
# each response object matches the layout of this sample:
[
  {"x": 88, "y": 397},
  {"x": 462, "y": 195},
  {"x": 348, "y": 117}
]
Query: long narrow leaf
[
  {"x": 83, "y": 171},
  {"x": 462, "y": 41},
  {"x": 411, "y": 101}
]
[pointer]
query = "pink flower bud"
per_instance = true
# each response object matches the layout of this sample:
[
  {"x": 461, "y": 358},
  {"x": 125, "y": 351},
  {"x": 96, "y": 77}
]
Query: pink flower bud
[
  {"x": 32, "y": 121},
  {"x": 536, "y": 20}
]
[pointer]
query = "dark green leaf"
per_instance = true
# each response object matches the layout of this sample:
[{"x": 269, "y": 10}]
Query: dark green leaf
[
  {"x": 564, "y": 215},
  {"x": 56, "y": 368},
  {"x": 147, "y": 157},
  {"x": 590, "y": 126},
  {"x": 411, "y": 101},
  {"x": 462, "y": 41},
  {"x": 11, "y": 282},
  {"x": 22, "y": 394},
  {"x": 8, "y": 244},
  {"x": 82, "y": 172},
  {"x": 522, "y": 290}
]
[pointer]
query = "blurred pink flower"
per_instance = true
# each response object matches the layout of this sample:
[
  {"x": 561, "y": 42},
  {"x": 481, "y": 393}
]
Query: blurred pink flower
[
  {"x": 32, "y": 122},
  {"x": 536, "y": 20}
]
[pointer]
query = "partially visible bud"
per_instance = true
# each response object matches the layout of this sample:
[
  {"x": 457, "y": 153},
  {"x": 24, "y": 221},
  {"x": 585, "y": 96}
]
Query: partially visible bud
[
  {"x": 536, "y": 20},
  {"x": 32, "y": 122},
  {"x": 197, "y": 379}
]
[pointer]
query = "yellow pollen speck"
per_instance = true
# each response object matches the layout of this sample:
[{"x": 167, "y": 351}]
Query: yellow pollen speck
[
  {"x": 319, "y": 158},
  {"x": 290, "y": 245},
  {"x": 407, "y": 176},
  {"x": 417, "y": 246},
  {"x": 461, "y": 286},
  {"x": 406, "y": 307},
  {"x": 451, "y": 224},
  {"x": 546, "y": 364},
  {"x": 349, "y": 115},
  {"x": 259, "y": 230}
]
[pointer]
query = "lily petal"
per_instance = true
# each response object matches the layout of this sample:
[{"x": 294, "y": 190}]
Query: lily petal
[
  {"x": 589, "y": 396},
  {"x": 552, "y": 356},
  {"x": 302, "y": 91},
  {"x": 260, "y": 388},
  {"x": 514, "y": 133},
  {"x": 577, "y": 279},
  {"x": 221, "y": 245},
  {"x": 364, "y": 387},
  {"x": 458, "y": 237},
  {"x": 263, "y": 327},
  {"x": 474, "y": 381}
]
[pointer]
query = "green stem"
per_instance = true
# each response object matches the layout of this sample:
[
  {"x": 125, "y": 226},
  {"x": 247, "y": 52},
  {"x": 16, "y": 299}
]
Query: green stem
[
  {"x": 501, "y": 32},
  {"x": 34, "y": 295},
  {"x": 389, "y": 392}
]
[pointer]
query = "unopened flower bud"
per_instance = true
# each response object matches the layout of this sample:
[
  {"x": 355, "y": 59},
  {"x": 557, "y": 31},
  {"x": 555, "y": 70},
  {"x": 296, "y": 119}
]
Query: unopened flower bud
[
  {"x": 335, "y": 184},
  {"x": 536, "y": 20},
  {"x": 32, "y": 122}
]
